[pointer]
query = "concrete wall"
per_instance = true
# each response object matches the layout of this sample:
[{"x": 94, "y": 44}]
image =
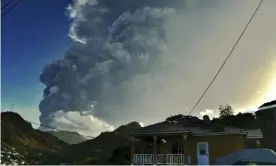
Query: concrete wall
[{"x": 219, "y": 146}]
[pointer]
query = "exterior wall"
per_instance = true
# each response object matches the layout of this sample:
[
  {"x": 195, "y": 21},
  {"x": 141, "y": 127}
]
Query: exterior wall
[
  {"x": 219, "y": 146},
  {"x": 167, "y": 147},
  {"x": 267, "y": 115},
  {"x": 251, "y": 143}
]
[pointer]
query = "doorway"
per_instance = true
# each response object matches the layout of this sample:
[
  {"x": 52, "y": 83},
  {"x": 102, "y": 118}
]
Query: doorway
[{"x": 202, "y": 153}]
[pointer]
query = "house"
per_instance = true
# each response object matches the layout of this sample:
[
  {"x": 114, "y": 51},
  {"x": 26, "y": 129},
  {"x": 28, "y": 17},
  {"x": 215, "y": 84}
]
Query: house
[
  {"x": 266, "y": 118},
  {"x": 267, "y": 112},
  {"x": 190, "y": 142}
]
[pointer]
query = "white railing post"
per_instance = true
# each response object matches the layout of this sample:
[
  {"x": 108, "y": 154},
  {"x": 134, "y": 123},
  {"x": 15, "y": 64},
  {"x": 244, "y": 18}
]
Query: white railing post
[{"x": 142, "y": 159}]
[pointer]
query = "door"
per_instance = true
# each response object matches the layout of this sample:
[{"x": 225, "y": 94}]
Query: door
[{"x": 202, "y": 153}]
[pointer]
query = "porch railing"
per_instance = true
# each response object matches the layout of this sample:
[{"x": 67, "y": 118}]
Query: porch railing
[{"x": 148, "y": 159}]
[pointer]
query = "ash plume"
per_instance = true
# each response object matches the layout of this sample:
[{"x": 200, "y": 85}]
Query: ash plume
[
  {"x": 134, "y": 60},
  {"x": 114, "y": 43}
]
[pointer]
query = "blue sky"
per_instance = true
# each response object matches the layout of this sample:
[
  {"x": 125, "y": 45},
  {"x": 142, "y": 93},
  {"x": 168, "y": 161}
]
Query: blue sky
[
  {"x": 36, "y": 32},
  {"x": 33, "y": 35}
]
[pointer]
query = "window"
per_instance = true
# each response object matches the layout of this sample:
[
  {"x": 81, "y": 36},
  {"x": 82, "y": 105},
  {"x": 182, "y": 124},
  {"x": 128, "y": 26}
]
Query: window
[
  {"x": 202, "y": 152},
  {"x": 177, "y": 148},
  {"x": 202, "y": 149}
]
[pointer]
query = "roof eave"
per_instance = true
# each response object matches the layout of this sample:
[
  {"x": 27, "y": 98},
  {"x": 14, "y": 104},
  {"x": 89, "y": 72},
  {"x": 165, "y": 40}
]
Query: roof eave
[
  {"x": 189, "y": 132},
  {"x": 159, "y": 133}
]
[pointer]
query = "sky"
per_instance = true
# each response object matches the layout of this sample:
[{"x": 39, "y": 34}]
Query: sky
[
  {"x": 33, "y": 34},
  {"x": 194, "y": 42}
]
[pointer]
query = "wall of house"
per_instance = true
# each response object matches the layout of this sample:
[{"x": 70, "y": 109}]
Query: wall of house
[
  {"x": 267, "y": 115},
  {"x": 219, "y": 146}
]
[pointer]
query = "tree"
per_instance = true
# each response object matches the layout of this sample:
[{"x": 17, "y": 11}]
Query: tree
[
  {"x": 182, "y": 118},
  {"x": 225, "y": 110}
]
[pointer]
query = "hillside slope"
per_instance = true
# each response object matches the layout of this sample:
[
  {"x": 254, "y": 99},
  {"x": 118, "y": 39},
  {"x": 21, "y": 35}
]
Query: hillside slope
[
  {"x": 36, "y": 146},
  {"x": 69, "y": 137},
  {"x": 101, "y": 148}
]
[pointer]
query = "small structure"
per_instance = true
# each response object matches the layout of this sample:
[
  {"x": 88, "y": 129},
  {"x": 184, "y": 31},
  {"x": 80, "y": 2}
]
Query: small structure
[
  {"x": 267, "y": 112},
  {"x": 196, "y": 143},
  {"x": 246, "y": 156}
]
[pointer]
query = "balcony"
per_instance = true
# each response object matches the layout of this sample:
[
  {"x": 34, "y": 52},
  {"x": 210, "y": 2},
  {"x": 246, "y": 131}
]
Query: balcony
[{"x": 148, "y": 159}]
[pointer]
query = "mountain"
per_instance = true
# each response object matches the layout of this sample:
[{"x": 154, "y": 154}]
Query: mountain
[
  {"x": 102, "y": 147},
  {"x": 109, "y": 148},
  {"x": 69, "y": 137},
  {"x": 36, "y": 147}
]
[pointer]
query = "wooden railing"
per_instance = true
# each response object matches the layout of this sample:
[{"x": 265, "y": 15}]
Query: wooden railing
[{"x": 148, "y": 159}]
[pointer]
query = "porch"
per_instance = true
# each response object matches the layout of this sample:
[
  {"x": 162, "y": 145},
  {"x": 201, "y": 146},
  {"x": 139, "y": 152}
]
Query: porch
[
  {"x": 160, "y": 150},
  {"x": 159, "y": 159}
]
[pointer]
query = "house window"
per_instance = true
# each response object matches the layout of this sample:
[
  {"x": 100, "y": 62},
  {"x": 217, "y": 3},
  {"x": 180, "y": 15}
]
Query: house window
[
  {"x": 202, "y": 149},
  {"x": 177, "y": 148}
]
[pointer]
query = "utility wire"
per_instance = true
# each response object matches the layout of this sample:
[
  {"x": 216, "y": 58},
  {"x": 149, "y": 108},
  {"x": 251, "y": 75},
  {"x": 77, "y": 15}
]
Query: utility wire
[
  {"x": 57, "y": 129},
  {"x": 4, "y": 13},
  {"x": 12, "y": 153},
  {"x": 11, "y": 148},
  {"x": 2, "y": 7},
  {"x": 15, "y": 154},
  {"x": 226, "y": 58}
]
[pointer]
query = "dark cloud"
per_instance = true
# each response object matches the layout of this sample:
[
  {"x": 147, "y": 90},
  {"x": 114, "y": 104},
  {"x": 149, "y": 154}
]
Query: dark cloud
[
  {"x": 121, "y": 40},
  {"x": 147, "y": 59}
]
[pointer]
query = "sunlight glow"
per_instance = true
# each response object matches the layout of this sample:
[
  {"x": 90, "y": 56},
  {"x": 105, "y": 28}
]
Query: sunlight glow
[{"x": 141, "y": 124}]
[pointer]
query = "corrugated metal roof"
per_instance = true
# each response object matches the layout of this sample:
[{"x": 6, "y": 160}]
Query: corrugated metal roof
[
  {"x": 256, "y": 133},
  {"x": 199, "y": 129},
  {"x": 267, "y": 107}
]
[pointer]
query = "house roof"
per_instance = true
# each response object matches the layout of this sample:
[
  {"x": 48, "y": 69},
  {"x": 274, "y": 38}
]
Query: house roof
[
  {"x": 267, "y": 105},
  {"x": 198, "y": 129},
  {"x": 255, "y": 133}
]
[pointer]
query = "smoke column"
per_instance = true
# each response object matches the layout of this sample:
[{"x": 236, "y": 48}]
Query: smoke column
[{"x": 138, "y": 60}]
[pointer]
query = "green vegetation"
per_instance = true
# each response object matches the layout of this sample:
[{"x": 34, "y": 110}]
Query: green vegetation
[
  {"x": 69, "y": 137},
  {"x": 39, "y": 147}
]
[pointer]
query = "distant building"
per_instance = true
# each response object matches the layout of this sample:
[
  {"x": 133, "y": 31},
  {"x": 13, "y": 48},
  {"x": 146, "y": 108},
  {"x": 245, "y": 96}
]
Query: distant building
[
  {"x": 266, "y": 116},
  {"x": 267, "y": 112}
]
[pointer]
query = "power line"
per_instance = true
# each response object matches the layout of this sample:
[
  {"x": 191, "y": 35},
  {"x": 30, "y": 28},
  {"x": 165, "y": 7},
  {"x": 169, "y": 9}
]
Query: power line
[
  {"x": 54, "y": 127},
  {"x": 226, "y": 57},
  {"x": 4, "y": 13},
  {"x": 2, "y": 7},
  {"x": 13, "y": 149},
  {"x": 10, "y": 148},
  {"x": 57, "y": 129}
]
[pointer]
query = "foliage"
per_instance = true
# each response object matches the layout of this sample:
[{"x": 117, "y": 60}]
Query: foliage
[
  {"x": 121, "y": 156},
  {"x": 41, "y": 146},
  {"x": 182, "y": 118},
  {"x": 109, "y": 147},
  {"x": 68, "y": 137},
  {"x": 241, "y": 120},
  {"x": 225, "y": 110},
  {"x": 252, "y": 163}
]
